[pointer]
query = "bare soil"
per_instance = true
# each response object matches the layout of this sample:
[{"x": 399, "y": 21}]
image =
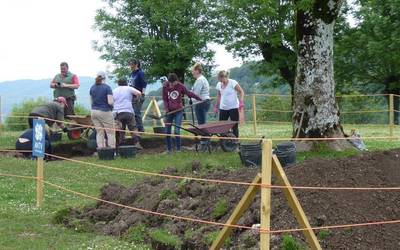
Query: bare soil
[{"x": 199, "y": 200}]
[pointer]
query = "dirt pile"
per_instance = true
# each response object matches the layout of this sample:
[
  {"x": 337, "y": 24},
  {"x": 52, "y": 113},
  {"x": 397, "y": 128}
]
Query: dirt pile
[{"x": 215, "y": 202}]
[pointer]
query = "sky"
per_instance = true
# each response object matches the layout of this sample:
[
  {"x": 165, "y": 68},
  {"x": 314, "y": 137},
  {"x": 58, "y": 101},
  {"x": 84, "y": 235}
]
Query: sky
[{"x": 37, "y": 35}]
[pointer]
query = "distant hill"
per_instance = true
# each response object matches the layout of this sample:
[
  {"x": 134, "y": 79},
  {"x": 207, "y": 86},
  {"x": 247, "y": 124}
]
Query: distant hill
[{"x": 15, "y": 92}]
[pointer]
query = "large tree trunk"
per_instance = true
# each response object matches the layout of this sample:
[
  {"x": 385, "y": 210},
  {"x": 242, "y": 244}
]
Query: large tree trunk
[{"x": 316, "y": 113}]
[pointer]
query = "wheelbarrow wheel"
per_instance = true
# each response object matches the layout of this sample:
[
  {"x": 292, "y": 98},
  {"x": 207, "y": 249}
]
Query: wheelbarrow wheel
[
  {"x": 74, "y": 134},
  {"x": 229, "y": 145}
]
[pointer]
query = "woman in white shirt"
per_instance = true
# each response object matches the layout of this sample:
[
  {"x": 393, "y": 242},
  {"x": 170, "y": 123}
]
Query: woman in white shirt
[{"x": 228, "y": 102}]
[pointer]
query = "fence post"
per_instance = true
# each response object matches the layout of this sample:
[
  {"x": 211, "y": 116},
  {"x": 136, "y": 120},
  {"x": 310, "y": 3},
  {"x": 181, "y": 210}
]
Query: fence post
[
  {"x": 254, "y": 114},
  {"x": 265, "y": 210},
  {"x": 391, "y": 114},
  {"x": 39, "y": 182},
  {"x": 1, "y": 118}
]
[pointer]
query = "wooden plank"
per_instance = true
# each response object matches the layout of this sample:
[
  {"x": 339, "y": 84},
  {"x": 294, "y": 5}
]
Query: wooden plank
[
  {"x": 147, "y": 110},
  {"x": 39, "y": 182},
  {"x": 391, "y": 114},
  {"x": 265, "y": 209},
  {"x": 295, "y": 205},
  {"x": 242, "y": 206},
  {"x": 254, "y": 104}
]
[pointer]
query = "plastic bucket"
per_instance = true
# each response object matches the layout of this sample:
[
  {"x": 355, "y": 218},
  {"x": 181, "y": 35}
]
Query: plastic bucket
[
  {"x": 106, "y": 154},
  {"x": 286, "y": 153},
  {"x": 127, "y": 151},
  {"x": 250, "y": 155}
]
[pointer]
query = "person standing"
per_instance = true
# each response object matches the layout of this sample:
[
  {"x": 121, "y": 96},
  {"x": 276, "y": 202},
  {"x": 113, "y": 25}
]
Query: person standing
[
  {"x": 228, "y": 103},
  {"x": 102, "y": 117},
  {"x": 173, "y": 92},
  {"x": 123, "y": 110},
  {"x": 201, "y": 88},
  {"x": 137, "y": 80},
  {"x": 64, "y": 85}
]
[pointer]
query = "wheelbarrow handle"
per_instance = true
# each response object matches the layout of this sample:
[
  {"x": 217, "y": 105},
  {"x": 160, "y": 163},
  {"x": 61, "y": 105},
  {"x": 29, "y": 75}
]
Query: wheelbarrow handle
[{"x": 174, "y": 111}]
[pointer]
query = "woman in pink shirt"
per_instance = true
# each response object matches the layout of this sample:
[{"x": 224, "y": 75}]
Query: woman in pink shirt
[{"x": 173, "y": 92}]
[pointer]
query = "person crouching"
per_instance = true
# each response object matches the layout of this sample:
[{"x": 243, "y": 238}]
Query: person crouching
[{"x": 123, "y": 110}]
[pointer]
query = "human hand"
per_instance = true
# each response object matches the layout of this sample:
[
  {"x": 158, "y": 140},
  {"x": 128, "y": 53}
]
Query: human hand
[
  {"x": 63, "y": 85},
  {"x": 215, "y": 109}
]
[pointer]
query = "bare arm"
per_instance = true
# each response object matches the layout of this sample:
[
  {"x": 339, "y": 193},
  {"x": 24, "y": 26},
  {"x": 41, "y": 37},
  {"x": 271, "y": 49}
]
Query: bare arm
[
  {"x": 136, "y": 92},
  {"x": 240, "y": 92},
  {"x": 74, "y": 85},
  {"x": 110, "y": 100}
]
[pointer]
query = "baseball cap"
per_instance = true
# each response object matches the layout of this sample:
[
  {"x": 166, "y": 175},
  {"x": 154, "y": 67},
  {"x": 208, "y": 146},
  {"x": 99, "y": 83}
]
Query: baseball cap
[
  {"x": 61, "y": 99},
  {"x": 102, "y": 74}
]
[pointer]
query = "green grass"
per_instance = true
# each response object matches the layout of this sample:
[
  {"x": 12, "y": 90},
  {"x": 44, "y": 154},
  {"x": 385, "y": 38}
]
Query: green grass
[{"x": 23, "y": 226}]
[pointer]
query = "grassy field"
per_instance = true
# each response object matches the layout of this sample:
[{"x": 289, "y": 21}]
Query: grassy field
[{"x": 23, "y": 226}]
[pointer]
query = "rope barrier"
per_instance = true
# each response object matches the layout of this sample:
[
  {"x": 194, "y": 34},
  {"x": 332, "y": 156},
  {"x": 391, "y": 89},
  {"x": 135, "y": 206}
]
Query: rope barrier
[
  {"x": 241, "y": 183},
  {"x": 212, "y": 223},
  {"x": 18, "y": 176}
]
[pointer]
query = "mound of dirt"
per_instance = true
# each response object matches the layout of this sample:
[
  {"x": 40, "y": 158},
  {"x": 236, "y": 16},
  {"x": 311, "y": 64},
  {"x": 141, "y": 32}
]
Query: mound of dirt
[{"x": 216, "y": 202}]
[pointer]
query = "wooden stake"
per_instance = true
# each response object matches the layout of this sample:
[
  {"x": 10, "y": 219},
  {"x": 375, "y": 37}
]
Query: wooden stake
[
  {"x": 147, "y": 110},
  {"x": 242, "y": 206},
  {"x": 157, "y": 111},
  {"x": 39, "y": 182},
  {"x": 254, "y": 114},
  {"x": 295, "y": 205},
  {"x": 391, "y": 114},
  {"x": 265, "y": 210}
]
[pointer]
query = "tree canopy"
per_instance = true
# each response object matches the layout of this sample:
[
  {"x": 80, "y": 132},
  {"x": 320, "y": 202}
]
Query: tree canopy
[{"x": 167, "y": 36}]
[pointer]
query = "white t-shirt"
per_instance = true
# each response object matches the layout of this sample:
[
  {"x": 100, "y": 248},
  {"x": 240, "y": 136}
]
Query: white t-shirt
[
  {"x": 123, "y": 96},
  {"x": 229, "y": 96}
]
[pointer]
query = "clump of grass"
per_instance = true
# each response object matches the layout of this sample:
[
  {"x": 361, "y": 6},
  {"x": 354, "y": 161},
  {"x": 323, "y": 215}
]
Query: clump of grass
[
  {"x": 136, "y": 234},
  {"x": 220, "y": 209},
  {"x": 324, "y": 234},
  {"x": 209, "y": 238},
  {"x": 168, "y": 194},
  {"x": 162, "y": 239},
  {"x": 61, "y": 216},
  {"x": 290, "y": 243}
]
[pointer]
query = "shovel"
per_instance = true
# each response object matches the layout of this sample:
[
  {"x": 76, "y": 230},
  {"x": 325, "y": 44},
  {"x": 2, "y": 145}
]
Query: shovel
[{"x": 173, "y": 112}]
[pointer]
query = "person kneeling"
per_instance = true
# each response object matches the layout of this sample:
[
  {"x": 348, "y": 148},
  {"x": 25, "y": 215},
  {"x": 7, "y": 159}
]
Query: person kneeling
[{"x": 24, "y": 143}]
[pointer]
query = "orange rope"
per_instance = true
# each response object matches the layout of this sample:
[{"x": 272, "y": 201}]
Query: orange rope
[
  {"x": 18, "y": 176},
  {"x": 225, "y": 181}
]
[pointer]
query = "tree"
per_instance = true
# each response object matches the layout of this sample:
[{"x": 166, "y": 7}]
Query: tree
[
  {"x": 316, "y": 113},
  {"x": 166, "y": 35},
  {"x": 260, "y": 28},
  {"x": 369, "y": 53}
]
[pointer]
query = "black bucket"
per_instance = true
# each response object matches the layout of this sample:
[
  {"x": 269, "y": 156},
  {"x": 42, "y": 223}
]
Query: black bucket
[
  {"x": 55, "y": 137},
  {"x": 250, "y": 155},
  {"x": 106, "y": 154},
  {"x": 159, "y": 130},
  {"x": 286, "y": 153},
  {"x": 127, "y": 151}
]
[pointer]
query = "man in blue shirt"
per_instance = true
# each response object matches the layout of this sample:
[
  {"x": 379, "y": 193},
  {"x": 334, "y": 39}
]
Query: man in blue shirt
[{"x": 137, "y": 80}]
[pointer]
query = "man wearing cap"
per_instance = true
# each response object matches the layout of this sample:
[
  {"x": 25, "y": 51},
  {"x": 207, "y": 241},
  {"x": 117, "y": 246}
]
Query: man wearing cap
[
  {"x": 64, "y": 85},
  {"x": 52, "y": 110}
]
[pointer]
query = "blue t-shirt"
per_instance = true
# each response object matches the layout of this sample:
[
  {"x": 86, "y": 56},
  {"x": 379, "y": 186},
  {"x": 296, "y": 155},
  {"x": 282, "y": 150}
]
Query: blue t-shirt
[
  {"x": 99, "y": 95},
  {"x": 137, "y": 80}
]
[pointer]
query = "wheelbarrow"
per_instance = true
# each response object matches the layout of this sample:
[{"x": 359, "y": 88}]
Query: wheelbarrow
[
  {"x": 80, "y": 129},
  {"x": 228, "y": 143}
]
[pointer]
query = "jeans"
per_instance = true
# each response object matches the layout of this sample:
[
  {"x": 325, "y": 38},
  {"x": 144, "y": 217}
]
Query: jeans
[
  {"x": 137, "y": 104},
  {"x": 177, "y": 117},
  {"x": 201, "y": 115},
  {"x": 201, "y": 111},
  {"x": 233, "y": 114}
]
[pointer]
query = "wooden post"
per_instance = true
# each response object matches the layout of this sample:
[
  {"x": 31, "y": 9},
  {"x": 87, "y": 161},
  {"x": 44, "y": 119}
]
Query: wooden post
[
  {"x": 254, "y": 114},
  {"x": 295, "y": 205},
  {"x": 147, "y": 110},
  {"x": 391, "y": 114},
  {"x": 158, "y": 111},
  {"x": 242, "y": 206},
  {"x": 1, "y": 118},
  {"x": 39, "y": 182},
  {"x": 265, "y": 209}
]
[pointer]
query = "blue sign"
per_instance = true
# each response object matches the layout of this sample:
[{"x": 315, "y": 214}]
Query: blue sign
[{"x": 38, "y": 142}]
